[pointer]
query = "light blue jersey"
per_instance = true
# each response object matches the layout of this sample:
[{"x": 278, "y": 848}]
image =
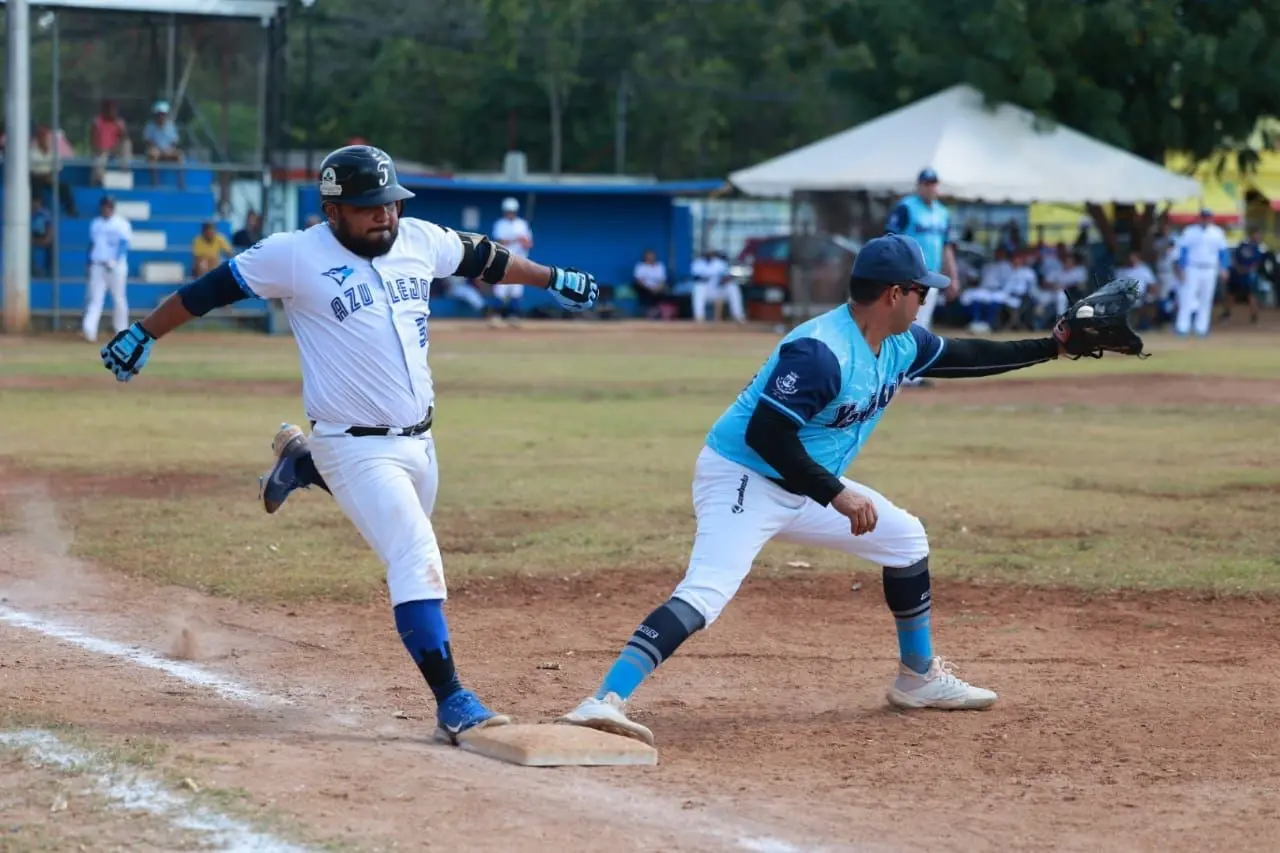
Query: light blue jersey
[
  {"x": 825, "y": 378},
  {"x": 929, "y": 224}
]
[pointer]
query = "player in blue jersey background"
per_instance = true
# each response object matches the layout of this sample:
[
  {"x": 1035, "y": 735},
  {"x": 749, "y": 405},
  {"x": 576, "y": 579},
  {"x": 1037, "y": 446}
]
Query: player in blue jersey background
[
  {"x": 927, "y": 220},
  {"x": 772, "y": 468}
]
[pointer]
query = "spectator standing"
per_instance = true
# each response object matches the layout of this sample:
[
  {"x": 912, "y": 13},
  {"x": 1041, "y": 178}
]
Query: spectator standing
[
  {"x": 512, "y": 231},
  {"x": 1246, "y": 264},
  {"x": 108, "y": 137},
  {"x": 250, "y": 234},
  {"x": 161, "y": 136},
  {"x": 41, "y": 165},
  {"x": 208, "y": 248},
  {"x": 109, "y": 237}
]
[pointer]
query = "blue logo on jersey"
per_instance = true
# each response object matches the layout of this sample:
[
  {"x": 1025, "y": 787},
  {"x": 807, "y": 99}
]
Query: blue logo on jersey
[
  {"x": 859, "y": 413},
  {"x": 339, "y": 275}
]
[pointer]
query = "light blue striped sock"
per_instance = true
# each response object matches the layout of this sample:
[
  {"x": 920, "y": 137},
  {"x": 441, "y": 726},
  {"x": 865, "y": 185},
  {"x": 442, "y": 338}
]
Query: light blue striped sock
[
  {"x": 915, "y": 641},
  {"x": 627, "y": 673}
]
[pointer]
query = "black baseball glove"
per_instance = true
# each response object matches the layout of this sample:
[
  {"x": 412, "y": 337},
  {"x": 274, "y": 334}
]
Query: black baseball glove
[{"x": 1099, "y": 322}]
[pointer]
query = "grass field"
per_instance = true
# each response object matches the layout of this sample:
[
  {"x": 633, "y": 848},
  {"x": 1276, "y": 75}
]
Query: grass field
[
  {"x": 1103, "y": 554},
  {"x": 562, "y": 454}
]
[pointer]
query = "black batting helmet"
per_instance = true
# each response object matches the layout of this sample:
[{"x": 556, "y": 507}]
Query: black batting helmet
[{"x": 362, "y": 176}]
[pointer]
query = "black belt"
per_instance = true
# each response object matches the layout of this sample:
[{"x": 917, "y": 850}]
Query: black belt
[{"x": 416, "y": 429}]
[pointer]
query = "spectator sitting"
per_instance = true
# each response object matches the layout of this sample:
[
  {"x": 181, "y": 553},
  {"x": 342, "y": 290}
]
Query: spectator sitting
[
  {"x": 161, "y": 135},
  {"x": 250, "y": 234},
  {"x": 41, "y": 165},
  {"x": 1048, "y": 299},
  {"x": 985, "y": 301},
  {"x": 649, "y": 280},
  {"x": 108, "y": 137},
  {"x": 1244, "y": 277},
  {"x": 1019, "y": 287},
  {"x": 1074, "y": 278},
  {"x": 207, "y": 250},
  {"x": 41, "y": 237},
  {"x": 709, "y": 273}
]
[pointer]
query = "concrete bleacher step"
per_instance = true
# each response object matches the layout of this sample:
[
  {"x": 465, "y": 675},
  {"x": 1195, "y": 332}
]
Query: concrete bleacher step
[
  {"x": 116, "y": 179},
  {"x": 149, "y": 240},
  {"x": 134, "y": 211},
  {"x": 164, "y": 272}
]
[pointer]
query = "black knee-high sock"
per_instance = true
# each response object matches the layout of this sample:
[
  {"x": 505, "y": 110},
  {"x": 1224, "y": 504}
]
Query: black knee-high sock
[{"x": 657, "y": 639}]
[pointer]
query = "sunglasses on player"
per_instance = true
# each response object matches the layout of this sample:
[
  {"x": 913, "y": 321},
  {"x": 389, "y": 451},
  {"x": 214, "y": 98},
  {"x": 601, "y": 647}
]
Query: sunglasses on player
[{"x": 918, "y": 289}]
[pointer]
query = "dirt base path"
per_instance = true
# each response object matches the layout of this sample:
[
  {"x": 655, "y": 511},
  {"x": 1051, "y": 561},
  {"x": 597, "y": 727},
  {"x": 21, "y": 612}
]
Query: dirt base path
[{"x": 1125, "y": 722}]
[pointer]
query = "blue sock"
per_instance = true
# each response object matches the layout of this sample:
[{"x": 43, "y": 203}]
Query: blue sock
[
  {"x": 424, "y": 633},
  {"x": 906, "y": 591},
  {"x": 654, "y": 641}
]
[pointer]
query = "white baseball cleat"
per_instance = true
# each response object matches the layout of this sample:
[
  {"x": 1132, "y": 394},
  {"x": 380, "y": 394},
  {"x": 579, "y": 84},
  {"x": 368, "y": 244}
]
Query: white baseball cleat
[
  {"x": 606, "y": 715},
  {"x": 937, "y": 688}
]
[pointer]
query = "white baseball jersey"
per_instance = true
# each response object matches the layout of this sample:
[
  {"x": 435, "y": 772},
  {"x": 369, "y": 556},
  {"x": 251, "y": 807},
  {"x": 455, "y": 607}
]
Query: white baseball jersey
[
  {"x": 360, "y": 324},
  {"x": 709, "y": 270},
  {"x": 1202, "y": 246},
  {"x": 109, "y": 239},
  {"x": 509, "y": 231}
]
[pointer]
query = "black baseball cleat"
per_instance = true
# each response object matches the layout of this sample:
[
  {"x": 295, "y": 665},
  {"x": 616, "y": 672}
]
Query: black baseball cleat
[{"x": 290, "y": 448}]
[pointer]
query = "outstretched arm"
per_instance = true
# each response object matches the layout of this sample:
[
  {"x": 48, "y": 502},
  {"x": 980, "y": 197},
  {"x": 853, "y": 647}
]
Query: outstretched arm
[{"x": 961, "y": 357}]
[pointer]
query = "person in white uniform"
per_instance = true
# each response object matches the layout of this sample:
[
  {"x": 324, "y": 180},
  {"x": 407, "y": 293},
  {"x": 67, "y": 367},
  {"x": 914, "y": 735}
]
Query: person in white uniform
[
  {"x": 109, "y": 238},
  {"x": 709, "y": 273},
  {"x": 513, "y": 232},
  {"x": 355, "y": 289},
  {"x": 1203, "y": 261}
]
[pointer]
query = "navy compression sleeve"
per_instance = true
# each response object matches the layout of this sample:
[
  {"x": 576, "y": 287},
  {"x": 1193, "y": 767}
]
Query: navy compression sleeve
[
  {"x": 773, "y": 435},
  {"x": 980, "y": 357},
  {"x": 214, "y": 289}
]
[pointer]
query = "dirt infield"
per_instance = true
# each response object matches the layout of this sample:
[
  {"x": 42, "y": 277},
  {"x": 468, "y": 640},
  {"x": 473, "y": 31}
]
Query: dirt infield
[{"x": 1126, "y": 722}]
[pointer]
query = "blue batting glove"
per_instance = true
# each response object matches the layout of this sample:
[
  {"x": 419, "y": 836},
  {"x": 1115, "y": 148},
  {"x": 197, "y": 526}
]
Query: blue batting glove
[
  {"x": 126, "y": 353},
  {"x": 573, "y": 289}
]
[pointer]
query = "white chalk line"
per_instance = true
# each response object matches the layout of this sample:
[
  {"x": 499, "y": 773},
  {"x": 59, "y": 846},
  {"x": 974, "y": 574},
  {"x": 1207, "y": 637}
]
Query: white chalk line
[
  {"x": 234, "y": 691},
  {"x": 137, "y": 793},
  {"x": 189, "y": 673}
]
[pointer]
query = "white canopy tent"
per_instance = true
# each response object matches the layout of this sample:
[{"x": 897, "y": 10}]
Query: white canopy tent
[{"x": 980, "y": 154}]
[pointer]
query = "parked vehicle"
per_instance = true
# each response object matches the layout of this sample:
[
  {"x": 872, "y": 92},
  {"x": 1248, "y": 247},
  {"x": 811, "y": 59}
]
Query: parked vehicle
[{"x": 763, "y": 270}]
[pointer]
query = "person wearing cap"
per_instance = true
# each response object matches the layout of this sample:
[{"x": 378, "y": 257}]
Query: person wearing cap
[
  {"x": 161, "y": 136},
  {"x": 772, "y": 467},
  {"x": 108, "y": 268},
  {"x": 512, "y": 231},
  {"x": 1203, "y": 260},
  {"x": 927, "y": 220}
]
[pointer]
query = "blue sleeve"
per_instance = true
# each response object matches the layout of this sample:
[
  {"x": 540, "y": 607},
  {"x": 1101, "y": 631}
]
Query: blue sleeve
[
  {"x": 928, "y": 347},
  {"x": 216, "y": 288},
  {"x": 804, "y": 381},
  {"x": 1183, "y": 254},
  {"x": 900, "y": 219},
  {"x": 122, "y": 250}
]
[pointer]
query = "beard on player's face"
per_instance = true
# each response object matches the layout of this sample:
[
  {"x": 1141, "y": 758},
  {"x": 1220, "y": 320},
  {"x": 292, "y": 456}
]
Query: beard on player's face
[{"x": 367, "y": 232}]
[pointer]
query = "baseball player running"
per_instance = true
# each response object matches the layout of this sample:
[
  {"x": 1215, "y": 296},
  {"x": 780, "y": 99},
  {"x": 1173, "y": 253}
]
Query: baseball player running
[
  {"x": 1203, "y": 259},
  {"x": 109, "y": 236},
  {"x": 772, "y": 463},
  {"x": 355, "y": 289}
]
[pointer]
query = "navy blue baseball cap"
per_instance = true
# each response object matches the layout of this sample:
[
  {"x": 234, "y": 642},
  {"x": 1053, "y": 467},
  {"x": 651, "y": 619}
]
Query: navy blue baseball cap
[
  {"x": 927, "y": 176},
  {"x": 895, "y": 259}
]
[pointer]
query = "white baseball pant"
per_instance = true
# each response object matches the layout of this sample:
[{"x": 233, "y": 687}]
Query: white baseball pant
[
  {"x": 738, "y": 511},
  {"x": 730, "y": 293},
  {"x": 387, "y": 486},
  {"x": 924, "y": 317},
  {"x": 1195, "y": 297},
  {"x": 104, "y": 278},
  {"x": 508, "y": 292}
]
